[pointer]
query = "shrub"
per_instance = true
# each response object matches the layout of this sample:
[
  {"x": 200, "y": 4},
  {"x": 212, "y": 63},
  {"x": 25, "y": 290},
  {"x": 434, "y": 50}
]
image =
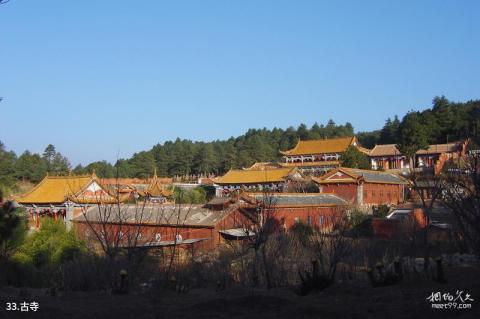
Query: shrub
[
  {"x": 52, "y": 244},
  {"x": 195, "y": 196},
  {"x": 302, "y": 232},
  {"x": 381, "y": 211}
]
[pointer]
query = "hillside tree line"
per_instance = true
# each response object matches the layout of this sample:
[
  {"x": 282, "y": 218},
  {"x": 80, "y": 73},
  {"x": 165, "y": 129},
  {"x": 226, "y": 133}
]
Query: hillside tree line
[{"x": 445, "y": 121}]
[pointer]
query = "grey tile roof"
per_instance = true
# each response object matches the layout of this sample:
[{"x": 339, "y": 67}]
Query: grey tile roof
[
  {"x": 317, "y": 199},
  {"x": 191, "y": 215},
  {"x": 378, "y": 177}
]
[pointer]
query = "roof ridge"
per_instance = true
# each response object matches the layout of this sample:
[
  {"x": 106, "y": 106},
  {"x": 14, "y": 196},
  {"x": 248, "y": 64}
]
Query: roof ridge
[
  {"x": 67, "y": 176},
  {"x": 292, "y": 194}
]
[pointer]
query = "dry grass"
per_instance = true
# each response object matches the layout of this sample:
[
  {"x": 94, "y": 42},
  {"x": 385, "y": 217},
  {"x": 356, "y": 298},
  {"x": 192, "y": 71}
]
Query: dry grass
[{"x": 353, "y": 299}]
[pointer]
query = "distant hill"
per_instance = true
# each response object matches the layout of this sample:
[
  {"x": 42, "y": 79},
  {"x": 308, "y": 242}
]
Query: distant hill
[{"x": 445, "y": 121}]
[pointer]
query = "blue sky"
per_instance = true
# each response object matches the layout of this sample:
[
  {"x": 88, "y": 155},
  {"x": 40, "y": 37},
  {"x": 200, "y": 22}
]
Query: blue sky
[{"x": 104, "y": 78}]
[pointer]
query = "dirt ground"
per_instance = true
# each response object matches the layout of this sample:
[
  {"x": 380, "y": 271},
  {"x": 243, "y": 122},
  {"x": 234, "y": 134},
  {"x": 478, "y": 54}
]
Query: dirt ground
[{"x": 353, "y": 299}]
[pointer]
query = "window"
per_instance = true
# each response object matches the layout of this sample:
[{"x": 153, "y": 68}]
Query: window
[
  {"x": 309, "y": 220},
  {"x": 320, "y": 220},
  {"x": 365, "y": 195},
  {"x": 373, "y": 193},
  {"x": 178, "y": 238}
]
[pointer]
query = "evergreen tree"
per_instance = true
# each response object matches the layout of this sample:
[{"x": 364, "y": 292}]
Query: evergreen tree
[
  {"x": 369, "y": 139},
  {"x": 102, "y": 169},
  {"x": 142, "y": 165},
  {"x": 7, "y": 168},
  {"x": 230, "y": 159},
  {"x": 49, "y": 156},
  {"x": 204, "y": 160},
  {"x": 9, "y": 222},
  {"x": 389, "y": 133},
  {"x": 330, "y": 129},
  {"x": 79, "y": 170},
  {"x": 303, "y": 132},
  {"x": 412, "y": 135},
  {"x": 60, "y": 165},
  {"x": 123, "y": 169},
  {"x": 56, "y": 163},
  {"x": 353, "y": 158},
  {"x": 30, "y": 167}
]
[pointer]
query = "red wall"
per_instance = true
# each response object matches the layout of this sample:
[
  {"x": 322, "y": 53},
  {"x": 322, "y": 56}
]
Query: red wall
[
  {"x": 373, "y": 193},
  {"x": 377, "y": 194},
  {"x": 347, "y": 191},
  {"x": 148, "y": 233},
  {"x": 392, "y": 228},
  {"x": 321, "y": 217}
]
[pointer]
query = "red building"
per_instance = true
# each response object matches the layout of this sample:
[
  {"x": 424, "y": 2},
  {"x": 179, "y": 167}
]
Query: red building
[
  {"x": 64, "y": 197},
  {"x": 388, "y": 157},
  {"x": 364, "y": 187},
  {"x": 258, "y": 179},
  {"x": 155, "y": 225},
  {"x": 197, "y": 227},
  {"x": 314, "y": 209},
  {"x": 316, "y": 157}
]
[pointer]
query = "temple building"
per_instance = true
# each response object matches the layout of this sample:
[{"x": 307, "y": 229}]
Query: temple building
[
  {"x": 437, "y": 155},
  {"x": 134, "y": 188},
  {"x": 156, "y": 191},
  {"x": 153, "y": 226},
  {"x": 388, "y": 157},
  {"x": 256, "y": 179},
  {"x": 364, "y": 187},
  {"x": 319, "y": 210},
  {"x": 316, "y": 157},
  {"x": 194, "y": 228},
  {"x": 64, "y": 196}
]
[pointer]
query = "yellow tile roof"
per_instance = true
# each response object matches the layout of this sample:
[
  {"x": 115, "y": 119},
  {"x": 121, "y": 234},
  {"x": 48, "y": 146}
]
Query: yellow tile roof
[
  {"x": 55, "y": 189},
  {"x": 333, "y": 145},
  {"x": 156, "y": 189},
  {"x": 255, "y": 176},
  {"x": 385, "y": 150},
  {"x": 259, "y": 166}
]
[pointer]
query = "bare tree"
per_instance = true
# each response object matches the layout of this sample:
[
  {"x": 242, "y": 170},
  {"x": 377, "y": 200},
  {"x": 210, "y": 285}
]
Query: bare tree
[
  {"x": 126, "y": 232},
  {"x": 427, "y": 190},
  {"x": 329, "y": 247},
  {"x": 259, "y": 225},
  {"x": 462, "y": 196}
]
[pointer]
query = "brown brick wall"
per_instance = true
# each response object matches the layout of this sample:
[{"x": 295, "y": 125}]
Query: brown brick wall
[
  {"x": 343, "y": 190},
  {"x": 373, "y": 193},
  {"x": 377, "y": 194}
]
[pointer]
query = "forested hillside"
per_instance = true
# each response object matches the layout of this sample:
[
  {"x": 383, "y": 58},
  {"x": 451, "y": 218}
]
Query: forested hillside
[{"x": 444, "y": 121}]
